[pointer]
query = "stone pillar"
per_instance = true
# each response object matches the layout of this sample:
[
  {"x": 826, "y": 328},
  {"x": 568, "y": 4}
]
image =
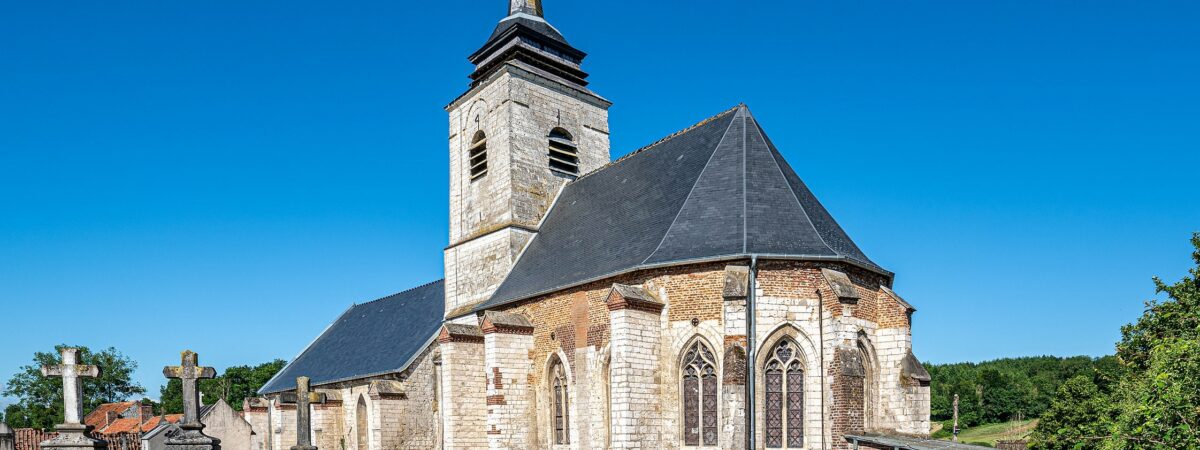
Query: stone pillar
[
  {"x": 507, "y": 340},
  {"x": 635, "y": 344},
  {"x": 733, "y": 428},
  {"x": 7, "y": 438},
  {"x": 464, "y": 387}
]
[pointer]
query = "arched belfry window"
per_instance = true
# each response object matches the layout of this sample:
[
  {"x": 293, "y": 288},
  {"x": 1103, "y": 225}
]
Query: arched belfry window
[
  {"x": 561, "y": 402},
  {"x": 477, "y": 156},
  {"x": 784, "y": 377},
  {"x": 564, "y": 154},
  {"x": 699, "y": 372}
]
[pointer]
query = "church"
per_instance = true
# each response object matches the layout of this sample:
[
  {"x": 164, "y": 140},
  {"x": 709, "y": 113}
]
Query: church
[{"x": 693, "y": 294}]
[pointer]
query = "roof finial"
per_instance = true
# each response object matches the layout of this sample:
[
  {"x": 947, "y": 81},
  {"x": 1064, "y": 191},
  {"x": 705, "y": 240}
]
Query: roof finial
[{"x": 533, "y": 7}]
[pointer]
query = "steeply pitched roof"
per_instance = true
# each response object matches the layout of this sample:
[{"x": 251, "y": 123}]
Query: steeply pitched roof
[
  {"x": 718, "y": 190},
  {"x": 370, "y": 339}
]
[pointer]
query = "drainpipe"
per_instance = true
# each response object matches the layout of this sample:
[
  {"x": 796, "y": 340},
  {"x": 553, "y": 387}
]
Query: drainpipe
[
  {"x": 751, "y": 352},
  {"x": 821, "y": 345}
]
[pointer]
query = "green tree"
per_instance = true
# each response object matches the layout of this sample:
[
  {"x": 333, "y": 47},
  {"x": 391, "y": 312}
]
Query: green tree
[
  {"x": 39, "y": 399},
  {"x": 233, "y": 386},
  {"x": 1150, "y": 397},
  {"x": 1078, "y": 417}
]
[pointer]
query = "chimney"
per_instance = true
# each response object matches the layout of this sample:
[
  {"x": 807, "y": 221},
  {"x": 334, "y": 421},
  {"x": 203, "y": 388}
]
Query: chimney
[{"x": 145, "y": 413}]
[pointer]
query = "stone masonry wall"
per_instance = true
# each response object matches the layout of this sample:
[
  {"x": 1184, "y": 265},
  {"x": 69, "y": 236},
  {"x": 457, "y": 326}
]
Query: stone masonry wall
[
  {"x": 636, "y": 414},
  {"x": 516, "y": 109},
  {"x": 463, "y": 385},
  {"x": 510, "y": 418}
]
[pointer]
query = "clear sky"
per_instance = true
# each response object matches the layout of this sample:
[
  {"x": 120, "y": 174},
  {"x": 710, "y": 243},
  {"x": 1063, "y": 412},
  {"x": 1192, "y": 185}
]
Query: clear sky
[{"x": 229, "y": 176}]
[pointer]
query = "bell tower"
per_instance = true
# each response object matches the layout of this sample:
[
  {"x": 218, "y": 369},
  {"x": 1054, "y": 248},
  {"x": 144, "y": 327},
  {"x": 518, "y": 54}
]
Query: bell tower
[{"x": 527, "y": 124}]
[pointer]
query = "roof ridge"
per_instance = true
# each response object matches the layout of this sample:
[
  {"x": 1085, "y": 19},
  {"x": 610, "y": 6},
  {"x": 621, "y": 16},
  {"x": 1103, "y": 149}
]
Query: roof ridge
[
  {"x": 431, "y": 283},
  {"x": 662, "y": 141}
]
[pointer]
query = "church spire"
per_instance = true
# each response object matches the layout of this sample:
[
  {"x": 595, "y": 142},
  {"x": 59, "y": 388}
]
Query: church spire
[{"x": 532, "y": 7}]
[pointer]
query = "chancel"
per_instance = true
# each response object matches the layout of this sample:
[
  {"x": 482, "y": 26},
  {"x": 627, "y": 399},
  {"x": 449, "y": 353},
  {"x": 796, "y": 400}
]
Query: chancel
[{"x": 692, "y": 294}]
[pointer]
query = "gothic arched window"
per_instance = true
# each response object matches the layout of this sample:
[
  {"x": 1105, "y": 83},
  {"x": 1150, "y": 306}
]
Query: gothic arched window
[
  {"x": 699, "y": 372},
  {"x": 784, "y": 376},
  {"x": 561, "y": 403},
  {"x": 564, "y": 154},
  {"x": 477, "y": 156}
]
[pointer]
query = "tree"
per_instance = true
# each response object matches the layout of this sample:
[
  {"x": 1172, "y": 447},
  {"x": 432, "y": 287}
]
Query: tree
[
  {"x": 1077, "y": 419},
  {"x": 233, "y": 386},
  {"x": 39, "y": 399},
  {"x": 1150, "y": 399}
]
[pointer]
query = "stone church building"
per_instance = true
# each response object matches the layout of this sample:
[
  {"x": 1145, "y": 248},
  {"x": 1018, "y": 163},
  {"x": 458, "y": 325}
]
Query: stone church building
[{"x": 693, "y": 294}]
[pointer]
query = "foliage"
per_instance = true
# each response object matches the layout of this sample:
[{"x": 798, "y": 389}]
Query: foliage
[
  {"x": 1005, "y": 389},
  {"x": 1151, "y": 399},
  {"x": 233, "y": 386},
  {"x": 40, "y": 401}
]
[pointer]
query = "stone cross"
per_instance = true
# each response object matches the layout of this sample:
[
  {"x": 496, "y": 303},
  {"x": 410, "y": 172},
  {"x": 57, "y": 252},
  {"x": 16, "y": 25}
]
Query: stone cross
[
  {"x": 72, "y": 374},
  {"x": 72, "y": 434},
  {"x": 190, "y": 373},
  {"x": 302, "y": 398},
  {"x": 191, "y": 435},
  {"x": 955, "y": 431}
]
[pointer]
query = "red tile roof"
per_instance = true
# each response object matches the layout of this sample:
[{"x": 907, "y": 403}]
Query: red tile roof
[{"x": 97, "y": 417}]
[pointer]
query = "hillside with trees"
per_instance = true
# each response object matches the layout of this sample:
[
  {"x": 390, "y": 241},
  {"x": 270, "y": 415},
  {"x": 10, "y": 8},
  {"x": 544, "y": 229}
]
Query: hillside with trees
[{"x": 1006, "y": 389}]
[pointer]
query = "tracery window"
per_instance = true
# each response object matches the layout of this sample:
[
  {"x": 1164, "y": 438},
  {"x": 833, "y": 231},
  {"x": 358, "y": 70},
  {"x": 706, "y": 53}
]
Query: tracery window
[
  {"x": 561, "y": 403},
  {"x": 699, "y": 395},
  {"x": 477, "y": 156},
  {"x": 784, "y": 374},
  {"x": 563, "y": 153}
]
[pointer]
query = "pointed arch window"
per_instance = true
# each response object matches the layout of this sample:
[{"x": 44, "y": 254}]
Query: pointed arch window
[
  {"x": 561, "y": 403},
  {"x": 784, "y": 376},
  {"x": 699, "y": 395},
  {"x": 477, "y": 156},
  {"x": 563, "y": 153}
]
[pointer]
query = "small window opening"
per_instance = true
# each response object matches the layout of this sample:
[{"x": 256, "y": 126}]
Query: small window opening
[
  {"x": 564, "y": 154},
  {"x": 478, "y": 156}
]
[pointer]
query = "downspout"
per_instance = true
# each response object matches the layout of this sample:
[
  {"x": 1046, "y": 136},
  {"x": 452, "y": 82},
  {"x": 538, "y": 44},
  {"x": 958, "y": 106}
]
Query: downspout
[
  {"x": 751, "y": 352},
  {"x": 821, "y": 326}
]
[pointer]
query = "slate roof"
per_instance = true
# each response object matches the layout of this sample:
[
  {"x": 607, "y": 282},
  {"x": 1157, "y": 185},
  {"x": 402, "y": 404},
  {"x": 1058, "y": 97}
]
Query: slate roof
[
  {"x": 370, "y": 339},
  {"x": 719, "y": 190}
]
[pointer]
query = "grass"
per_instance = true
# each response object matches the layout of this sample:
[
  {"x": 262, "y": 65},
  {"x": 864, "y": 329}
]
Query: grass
[{"x": 990, "y": 433}]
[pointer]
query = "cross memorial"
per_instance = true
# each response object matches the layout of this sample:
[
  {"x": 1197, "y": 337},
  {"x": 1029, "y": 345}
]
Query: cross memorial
[
  {"x": 191, "y": 432},
  {"x": 302, "y": 398},
  {"x": 72, "y": 433}
]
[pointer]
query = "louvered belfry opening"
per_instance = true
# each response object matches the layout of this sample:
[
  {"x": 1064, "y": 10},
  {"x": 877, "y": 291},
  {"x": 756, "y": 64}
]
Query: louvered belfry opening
[
  {"x": 563, "y": 153},
  {"x": 477, "y": 156}
]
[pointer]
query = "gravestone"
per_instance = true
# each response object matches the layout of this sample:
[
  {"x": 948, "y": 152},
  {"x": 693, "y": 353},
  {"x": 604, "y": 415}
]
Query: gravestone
[
  {"x": 191, "y": 432},
  {"x": 72, "y": 433},
  {"x": 303, "y": 398},
  {"x": 7, "y": 437}
]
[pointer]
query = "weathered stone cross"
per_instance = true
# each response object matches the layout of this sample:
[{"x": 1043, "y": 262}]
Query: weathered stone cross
[
  {"x": 302, "y": 398},
  {"x": 191, "y": 431},
  {"x": 72, "y": 374},
  {"x": 190, "y": 373},
  {"x": 72, "y": 435}
]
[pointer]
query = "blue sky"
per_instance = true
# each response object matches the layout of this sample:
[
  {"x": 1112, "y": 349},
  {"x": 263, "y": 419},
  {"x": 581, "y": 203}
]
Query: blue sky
[{"x": 229, "y": 176}]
